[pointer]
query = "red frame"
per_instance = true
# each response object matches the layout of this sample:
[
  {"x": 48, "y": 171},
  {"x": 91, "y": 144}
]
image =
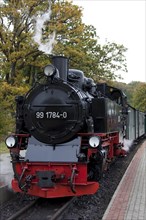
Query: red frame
[{"x": 62, "y": 187}]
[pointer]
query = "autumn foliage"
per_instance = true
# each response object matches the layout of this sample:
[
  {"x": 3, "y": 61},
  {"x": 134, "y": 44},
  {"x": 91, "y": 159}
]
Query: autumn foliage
[
  {"x": 21, "y": 62},
  {"x": 7, "y": 106}
]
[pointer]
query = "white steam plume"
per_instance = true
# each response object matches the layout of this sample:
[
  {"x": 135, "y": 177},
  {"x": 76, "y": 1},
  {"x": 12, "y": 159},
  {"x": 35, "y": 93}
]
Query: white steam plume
[
  {"x": 40, "y": 21},
  {"x": 1, "y": 2},
  {"x": 6, "y": 173},
  {"x": 127, "y": 144}
]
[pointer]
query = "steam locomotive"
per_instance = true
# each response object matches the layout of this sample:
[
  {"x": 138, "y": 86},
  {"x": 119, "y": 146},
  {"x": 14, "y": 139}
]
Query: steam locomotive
[{"x": 68, "y": 130}]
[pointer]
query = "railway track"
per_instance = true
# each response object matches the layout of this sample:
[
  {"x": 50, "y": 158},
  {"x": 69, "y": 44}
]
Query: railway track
[
  {"x": 21, "y": 211},
  {"x": 5, "y": 193},
  {"x": 43, "y": 209}
]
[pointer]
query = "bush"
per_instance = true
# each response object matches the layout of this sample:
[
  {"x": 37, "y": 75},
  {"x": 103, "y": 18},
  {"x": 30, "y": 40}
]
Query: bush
[{"x": 8, "y": 106}]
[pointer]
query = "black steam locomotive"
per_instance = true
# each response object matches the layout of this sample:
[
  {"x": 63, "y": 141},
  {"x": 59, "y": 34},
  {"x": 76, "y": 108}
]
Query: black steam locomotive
[{"x": 70, "y": 129}]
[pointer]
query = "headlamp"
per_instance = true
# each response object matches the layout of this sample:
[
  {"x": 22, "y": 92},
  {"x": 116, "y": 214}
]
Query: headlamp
[
  {"x": 94, "y": 141},
  {"x": 49, "y": 70},
  {"x": 10, "y": 141}
]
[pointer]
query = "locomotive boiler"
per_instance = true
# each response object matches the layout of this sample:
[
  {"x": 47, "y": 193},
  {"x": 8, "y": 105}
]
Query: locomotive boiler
[{"x": 68, "y": 130}]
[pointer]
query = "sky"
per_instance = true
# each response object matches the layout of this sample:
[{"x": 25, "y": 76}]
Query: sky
[{"x": 122, "y": 22}]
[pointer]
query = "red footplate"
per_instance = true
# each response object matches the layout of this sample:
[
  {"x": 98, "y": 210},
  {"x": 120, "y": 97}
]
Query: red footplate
[
  {"x": 51, "y": 180},
  {"x": 59, "y": 190}
]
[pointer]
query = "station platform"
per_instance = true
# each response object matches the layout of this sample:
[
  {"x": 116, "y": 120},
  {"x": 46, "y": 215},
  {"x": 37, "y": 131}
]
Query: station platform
[{"x": 129, "y": 200}]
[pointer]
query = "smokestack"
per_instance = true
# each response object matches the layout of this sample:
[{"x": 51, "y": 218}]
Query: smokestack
[{"x": 61, "y": 63}]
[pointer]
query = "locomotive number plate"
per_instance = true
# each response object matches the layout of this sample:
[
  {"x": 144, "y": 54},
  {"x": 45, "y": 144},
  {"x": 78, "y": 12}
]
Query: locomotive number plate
[{"x": 51, "y": 115}]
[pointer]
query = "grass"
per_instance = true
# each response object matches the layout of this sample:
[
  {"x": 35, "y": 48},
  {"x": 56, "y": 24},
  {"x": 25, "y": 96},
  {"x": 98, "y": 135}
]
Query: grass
[{"x": 3, "y": 148}]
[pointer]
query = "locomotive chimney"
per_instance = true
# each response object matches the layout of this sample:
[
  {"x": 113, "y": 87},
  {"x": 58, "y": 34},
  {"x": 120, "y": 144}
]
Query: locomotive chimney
[{"x": 61, "y": 63}]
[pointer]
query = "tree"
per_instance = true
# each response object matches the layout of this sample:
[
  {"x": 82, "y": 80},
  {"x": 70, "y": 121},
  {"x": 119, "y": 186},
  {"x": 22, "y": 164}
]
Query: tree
[
  {"x": 21, "y": 59},
  {"x": 135, "y": 92},
  {"x": 19, "y": 52},
  {"x": 80, "y": 42},
  {"x": 139, "y": 97},
  {"x": 8, "y": 105}
]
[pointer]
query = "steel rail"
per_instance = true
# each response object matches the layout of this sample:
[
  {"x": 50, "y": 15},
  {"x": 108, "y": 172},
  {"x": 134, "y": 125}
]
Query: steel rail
[
  {"x": 21, "y": 211},
  {"x": 62, "y": 209}
]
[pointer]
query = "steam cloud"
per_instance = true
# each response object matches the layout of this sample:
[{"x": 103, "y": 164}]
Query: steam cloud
[
  {"x": 6, "y": 173},
  {"x": 127, "y": 144},
  {"x": 1, "y": 2},
  {"x": 40, "y": 21}
]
